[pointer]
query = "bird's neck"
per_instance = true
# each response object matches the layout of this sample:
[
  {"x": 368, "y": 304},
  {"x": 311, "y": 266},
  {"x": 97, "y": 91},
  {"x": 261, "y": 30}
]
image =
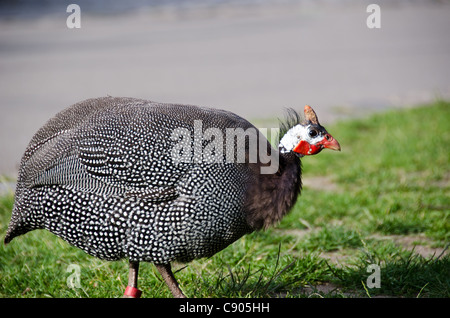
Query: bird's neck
[{"x": 271, "y": 196}]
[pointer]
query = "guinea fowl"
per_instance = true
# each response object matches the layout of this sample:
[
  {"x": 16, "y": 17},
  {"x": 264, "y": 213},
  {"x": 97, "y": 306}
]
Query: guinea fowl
[{"x": 129, "y": 178}]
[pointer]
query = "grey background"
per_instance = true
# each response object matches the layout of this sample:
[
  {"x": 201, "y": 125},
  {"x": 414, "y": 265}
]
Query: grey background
[{"x": 251, "y": 57}]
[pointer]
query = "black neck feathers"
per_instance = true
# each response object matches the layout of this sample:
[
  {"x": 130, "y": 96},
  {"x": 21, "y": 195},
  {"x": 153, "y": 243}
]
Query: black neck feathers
[{"x": 271, "y": 196}]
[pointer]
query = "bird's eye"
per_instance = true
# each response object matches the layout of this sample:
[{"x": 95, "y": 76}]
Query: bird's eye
[{"x": 313, "y": 133}]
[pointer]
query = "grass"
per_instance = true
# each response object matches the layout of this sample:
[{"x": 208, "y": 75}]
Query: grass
[{"x": 390, "y": 207}]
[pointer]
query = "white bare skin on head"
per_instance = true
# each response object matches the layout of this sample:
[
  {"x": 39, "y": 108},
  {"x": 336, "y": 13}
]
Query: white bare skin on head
[{"x": 295, "y": 135}]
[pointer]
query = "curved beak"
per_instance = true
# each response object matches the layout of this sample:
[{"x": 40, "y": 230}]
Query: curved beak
[{"x": 330, "y": 143}]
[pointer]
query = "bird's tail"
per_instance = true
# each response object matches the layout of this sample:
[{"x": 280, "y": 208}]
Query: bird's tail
[
  {"x": 18, "y": 224},
  {"x": 15, "y": 227}
]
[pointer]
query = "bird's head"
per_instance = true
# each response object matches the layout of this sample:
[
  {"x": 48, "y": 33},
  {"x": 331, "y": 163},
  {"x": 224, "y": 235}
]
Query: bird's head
[{"x": 305, "y": 136}]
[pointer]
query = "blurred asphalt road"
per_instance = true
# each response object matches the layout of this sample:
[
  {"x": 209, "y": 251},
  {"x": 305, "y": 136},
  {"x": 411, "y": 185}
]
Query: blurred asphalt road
[{"x": 252, "y": 60}]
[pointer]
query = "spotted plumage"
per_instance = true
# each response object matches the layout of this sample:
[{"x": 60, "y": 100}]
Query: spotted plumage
[{"x": 101, "y": 175}]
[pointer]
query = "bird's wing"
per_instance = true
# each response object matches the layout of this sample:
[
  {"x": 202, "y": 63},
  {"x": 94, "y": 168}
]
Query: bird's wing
[
  {"x": 111, "y": 155},
  {"x": 117, "y": 146}
]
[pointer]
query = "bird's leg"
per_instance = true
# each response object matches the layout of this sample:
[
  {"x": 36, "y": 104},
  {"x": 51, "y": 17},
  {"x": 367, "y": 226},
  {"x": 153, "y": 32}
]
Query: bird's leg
[
  {"x": 166, "y": 272},
  {"x": 132, "y": 291}
]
